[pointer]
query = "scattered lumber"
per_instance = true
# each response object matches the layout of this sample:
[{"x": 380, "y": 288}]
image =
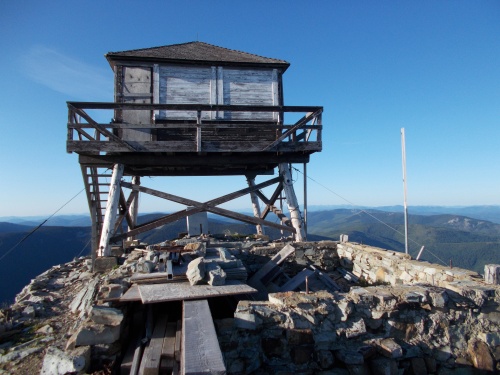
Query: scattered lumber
[
  {"x": 269, "y": 271},
  {"x": 296, "y": 281}
]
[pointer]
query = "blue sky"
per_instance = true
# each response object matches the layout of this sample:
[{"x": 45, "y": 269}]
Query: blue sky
[{"x": 431, "y": 67}]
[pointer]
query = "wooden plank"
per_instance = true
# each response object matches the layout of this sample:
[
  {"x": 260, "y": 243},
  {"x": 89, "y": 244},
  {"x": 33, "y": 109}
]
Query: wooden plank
[
  {"x": 326, "y": 279},
  {"x": 168, "y": 349},
  {"x": 201, "y": 353},
  {"x": 178, "y": 341},
  {"x": 257, "y": 280},
  {"x": 150, "y": 364},
  {"x": 133, "y": 355},
  {"x": 132, "y": 359},
  {"x": 154, "y": 293},
  {"x": 296, "y": 281},
  {"x": 131, "y": 295}
]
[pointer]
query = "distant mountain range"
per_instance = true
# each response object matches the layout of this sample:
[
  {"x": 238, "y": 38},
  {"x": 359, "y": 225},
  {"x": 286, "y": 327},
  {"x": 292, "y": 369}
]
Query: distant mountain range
[{"x": 469, "y": 241}]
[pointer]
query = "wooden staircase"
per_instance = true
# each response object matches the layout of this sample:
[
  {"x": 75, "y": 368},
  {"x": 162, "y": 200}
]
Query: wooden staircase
[{"x": 96, "y": 182}]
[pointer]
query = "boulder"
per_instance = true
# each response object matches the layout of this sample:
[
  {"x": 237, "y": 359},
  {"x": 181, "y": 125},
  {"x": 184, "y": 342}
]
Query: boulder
[
  {"x": 58, "y": 362},
  {"x": 196, "y": 271},
  {"x": 214, "y": 274},
  {"x": 480, "y": 355},
  {"x": 91, "y": 333}
]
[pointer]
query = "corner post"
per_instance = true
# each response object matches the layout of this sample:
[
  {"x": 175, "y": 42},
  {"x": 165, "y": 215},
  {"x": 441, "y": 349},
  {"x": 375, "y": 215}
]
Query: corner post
[
  {"x": 291, "y": 200},
  {"x": 111, "y": 209},
  {"x": 255, "y": 204}
]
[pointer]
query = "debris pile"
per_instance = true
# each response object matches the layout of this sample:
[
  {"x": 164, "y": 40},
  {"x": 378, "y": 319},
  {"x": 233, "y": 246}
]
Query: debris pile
[{"x": 320, "y": 308}]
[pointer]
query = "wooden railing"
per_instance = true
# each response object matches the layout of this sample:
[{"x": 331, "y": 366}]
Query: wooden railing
[{"x": 195, "y": 132}]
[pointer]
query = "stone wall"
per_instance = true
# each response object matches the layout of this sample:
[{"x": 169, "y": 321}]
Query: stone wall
[{"x": 417, "y": 318}]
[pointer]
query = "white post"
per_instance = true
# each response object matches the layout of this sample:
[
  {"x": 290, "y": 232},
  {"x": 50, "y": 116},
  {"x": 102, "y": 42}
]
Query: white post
[
  {"x": 255, "y": 204},
  {"x": 404, "y": 187},
  {"x": 420, "y": 252},
  {"x": 134, "y": 206},
  {"x": 291, "y": 200},
  {"x": 111, "y": 210}
]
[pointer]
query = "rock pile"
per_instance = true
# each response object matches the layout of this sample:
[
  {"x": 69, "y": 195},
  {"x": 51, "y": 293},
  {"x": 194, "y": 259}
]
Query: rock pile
[{"x": 373, "y": 330}]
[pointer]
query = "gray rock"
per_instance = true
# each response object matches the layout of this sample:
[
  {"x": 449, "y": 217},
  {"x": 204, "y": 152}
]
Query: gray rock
[
  {"x": 389, "y": 348},
  {"x": 104, "y": 264},
  {"x": 145, "y": 266},
  {"x": 111, "y": 291},
  {"x": 349, "y": 357},
  {"x": 106, "y": 315},
  {"x": 93, "y": 334},
  {"x": 29, "y": 312},
  {"x": 46, "y": 329},
  {"x": 384, "y": 366},
  {"x": 196, "y": 271},
  {"x": 214, "y": 274},
  {"x": 57, "y": 362}
]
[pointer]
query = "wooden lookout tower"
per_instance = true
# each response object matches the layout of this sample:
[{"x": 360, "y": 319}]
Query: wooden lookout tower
[{"x": 191, "y": 109}]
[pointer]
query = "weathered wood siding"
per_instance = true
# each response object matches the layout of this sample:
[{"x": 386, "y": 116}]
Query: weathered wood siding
[
  {"x": 136, "y": 88},
  {"x": 186, "y": 85},
  {"x": 218, "y": 85},
  {"x": 249, "y": 87}
]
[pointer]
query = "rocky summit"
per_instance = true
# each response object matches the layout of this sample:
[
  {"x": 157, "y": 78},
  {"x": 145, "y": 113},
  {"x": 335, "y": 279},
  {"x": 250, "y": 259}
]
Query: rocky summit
[{"x": 319, "y": 308}]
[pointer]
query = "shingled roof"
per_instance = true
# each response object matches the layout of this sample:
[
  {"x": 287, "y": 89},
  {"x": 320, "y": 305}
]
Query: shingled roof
[{"x": 194, "y": 53}]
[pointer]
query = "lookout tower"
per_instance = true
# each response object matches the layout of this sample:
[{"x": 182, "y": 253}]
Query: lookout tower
[{"x": 191, "y": 109}]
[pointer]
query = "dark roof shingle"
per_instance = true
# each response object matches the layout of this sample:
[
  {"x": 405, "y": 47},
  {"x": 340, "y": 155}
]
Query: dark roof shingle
[{"x": 195, "y": 52}]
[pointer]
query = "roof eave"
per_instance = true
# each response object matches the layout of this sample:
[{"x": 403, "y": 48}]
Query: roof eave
[{"x": 112, "y": 59}]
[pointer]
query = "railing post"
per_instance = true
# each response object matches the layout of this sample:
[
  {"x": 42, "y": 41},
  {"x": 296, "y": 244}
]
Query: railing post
[{"x": 198, "y": 131}]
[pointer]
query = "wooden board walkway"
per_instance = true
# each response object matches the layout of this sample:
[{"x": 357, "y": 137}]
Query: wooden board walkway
[
  {"x": 155, "y": 293},
  {"x": 201, "y": 353}
]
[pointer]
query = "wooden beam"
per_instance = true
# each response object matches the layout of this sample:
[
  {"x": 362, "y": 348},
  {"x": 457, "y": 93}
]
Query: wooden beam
[
  {"x": 199, "y": 207},
  {"x": 192, "y": 107},
  {"x": 237, "y": 146},
  {"x": 150, "y": 364},
  {"x": 191, "y": 160},
  {"x": 201, "y": 353}
]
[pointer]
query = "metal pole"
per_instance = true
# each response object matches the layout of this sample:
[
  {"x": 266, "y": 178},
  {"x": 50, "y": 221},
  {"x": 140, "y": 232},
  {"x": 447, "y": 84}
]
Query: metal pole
[
  {"x": 404, "y": 186},
  {"x": 305, "y": 200}
]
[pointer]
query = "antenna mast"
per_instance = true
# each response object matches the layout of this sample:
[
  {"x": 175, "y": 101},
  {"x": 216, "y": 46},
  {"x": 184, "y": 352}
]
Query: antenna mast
[{"x": 404, "y": 186}]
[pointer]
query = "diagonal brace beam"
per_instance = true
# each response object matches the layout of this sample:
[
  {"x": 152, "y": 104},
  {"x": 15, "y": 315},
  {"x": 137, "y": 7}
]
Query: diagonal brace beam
[{"x": 199, "y": 207}]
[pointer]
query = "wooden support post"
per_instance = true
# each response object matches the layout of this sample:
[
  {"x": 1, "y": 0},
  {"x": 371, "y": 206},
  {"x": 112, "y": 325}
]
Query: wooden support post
[
  {"x": 111, "y": 209},
  {"x": 134, "y": 206},
  {"x": 291, "y": 201},
  {"x": 305, "y": 201},
  {"x": 94, "y": 245},
  {"x": 255, "y": 204}
]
